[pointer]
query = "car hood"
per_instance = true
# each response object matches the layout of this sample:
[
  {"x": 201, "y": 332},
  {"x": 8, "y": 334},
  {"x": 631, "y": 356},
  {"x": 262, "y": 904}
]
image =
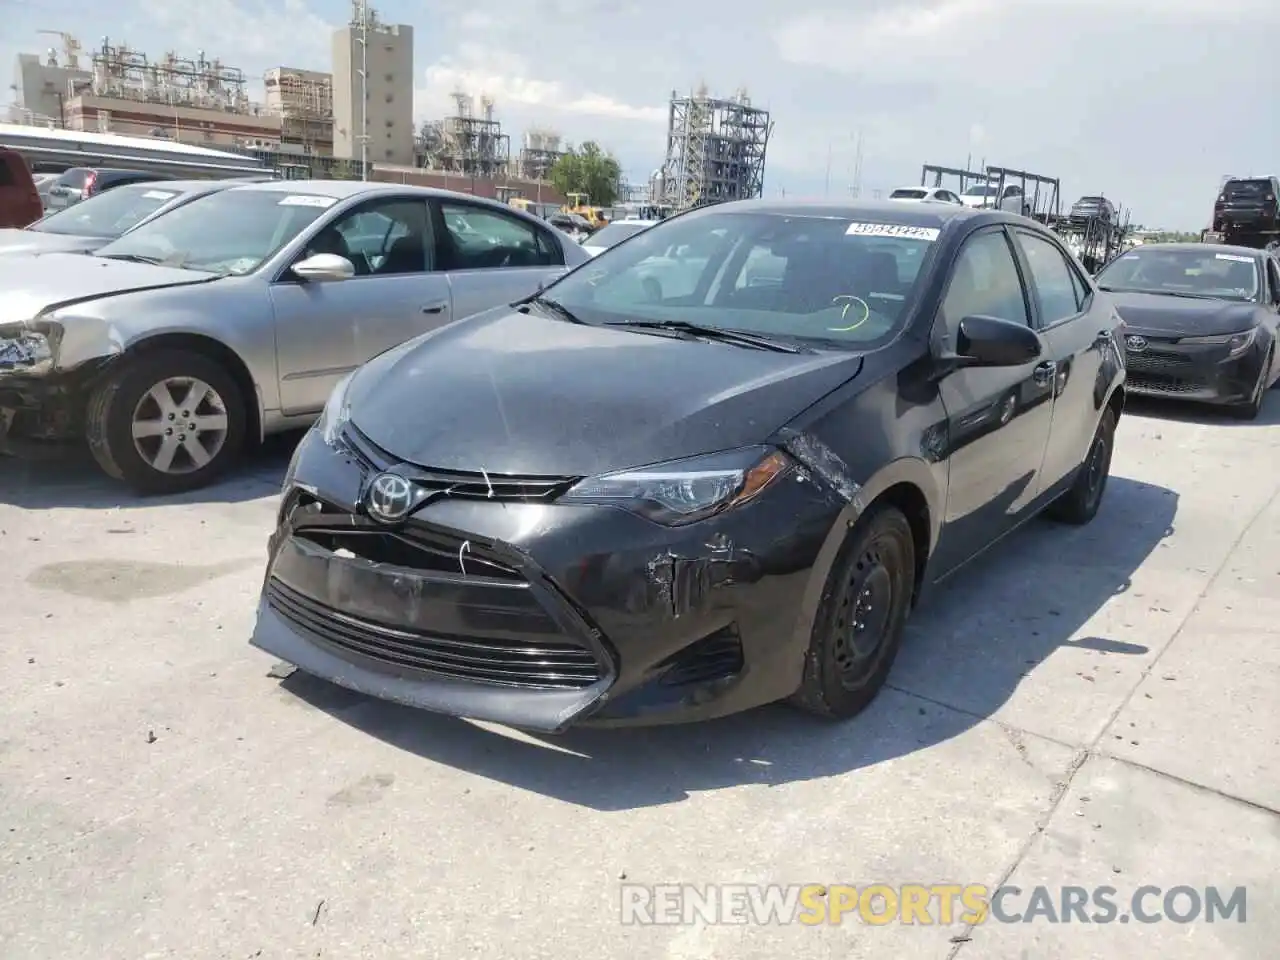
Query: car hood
[
  {"x": 977, "y": 201},
  {"x": 33, "y": 241},
  {"x": 33, "y": 284},
  {"x": 1152, "y": 313},
  {"x": 512, "y": 393}
]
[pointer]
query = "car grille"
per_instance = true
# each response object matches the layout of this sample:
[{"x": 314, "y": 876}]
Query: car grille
[
  {"x": 540, "y": 665},
  {"x": 1156, "y": 361},
  {"x": 1171, "y": 386}
]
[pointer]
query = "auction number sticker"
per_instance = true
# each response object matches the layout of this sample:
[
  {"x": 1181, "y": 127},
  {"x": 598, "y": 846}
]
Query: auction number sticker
[
  {"x": 892, "y": 230},
  {"x": 157, "y": 195},
  {"x": 1234, "y": 257},
  {"x": 307, "y": 200}
]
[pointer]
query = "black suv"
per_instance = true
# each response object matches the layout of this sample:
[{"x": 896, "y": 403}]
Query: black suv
[
  {"x": 81, "y": 183},
  {"x": 1087, "y": 208},
  {"x": 1246, "y": 210}
]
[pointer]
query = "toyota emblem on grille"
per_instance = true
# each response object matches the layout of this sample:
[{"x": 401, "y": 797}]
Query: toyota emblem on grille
[
  {"x": 389, "y": 498},
  {"x": 1135, "y": 344}
]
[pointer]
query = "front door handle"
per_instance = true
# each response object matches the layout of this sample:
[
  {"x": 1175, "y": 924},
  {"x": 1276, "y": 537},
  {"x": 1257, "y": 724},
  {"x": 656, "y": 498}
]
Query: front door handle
[
  {"x": 438, "y": 307},
  {"x": 1043, "y": 374}
]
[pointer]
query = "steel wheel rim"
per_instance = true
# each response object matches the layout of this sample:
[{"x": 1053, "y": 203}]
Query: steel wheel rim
[
  {"x": 866, "y": 613},
  {"x": 179, "y": 426}
]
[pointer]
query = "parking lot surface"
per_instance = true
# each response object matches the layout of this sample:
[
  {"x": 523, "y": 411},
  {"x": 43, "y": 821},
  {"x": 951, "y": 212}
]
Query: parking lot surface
[{"x": 1091, "y": 706}]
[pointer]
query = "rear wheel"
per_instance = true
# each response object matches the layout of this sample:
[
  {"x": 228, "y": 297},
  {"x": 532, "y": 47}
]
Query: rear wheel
[
  {"x": 166, "y": 422},
  {"x": 859, "y": 626},
  {"x": 1080, "y": 503}
]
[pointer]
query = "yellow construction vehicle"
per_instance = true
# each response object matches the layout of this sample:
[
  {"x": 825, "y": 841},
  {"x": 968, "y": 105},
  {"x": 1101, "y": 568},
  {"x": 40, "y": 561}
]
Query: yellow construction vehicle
[{"x": 580, "y": 204}]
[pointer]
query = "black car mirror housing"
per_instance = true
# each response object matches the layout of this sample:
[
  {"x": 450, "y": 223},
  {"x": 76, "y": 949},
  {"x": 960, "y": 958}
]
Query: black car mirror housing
[{"x": 984, "y": 341}]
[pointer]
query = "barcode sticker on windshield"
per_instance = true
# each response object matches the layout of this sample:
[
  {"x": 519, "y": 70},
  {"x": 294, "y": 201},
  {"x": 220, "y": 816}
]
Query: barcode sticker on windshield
[
  {"x": 1235, "y": 257},
  {"x": 157, "y": 195},
  {"x": 899, "y": 230},
  {"x": 307, "y": 200}
]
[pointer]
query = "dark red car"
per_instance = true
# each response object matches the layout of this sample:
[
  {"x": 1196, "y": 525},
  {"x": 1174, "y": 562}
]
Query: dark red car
[{"x": 19, "y": 200}]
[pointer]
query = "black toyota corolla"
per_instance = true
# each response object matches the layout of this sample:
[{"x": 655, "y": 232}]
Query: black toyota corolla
[
  {"x": 1201, "y": 322},
  {"x": 711, "y": 469}
]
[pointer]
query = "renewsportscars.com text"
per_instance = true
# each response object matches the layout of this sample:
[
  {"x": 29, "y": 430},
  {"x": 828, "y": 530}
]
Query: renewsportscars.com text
[{"x": 939, "y": 903}]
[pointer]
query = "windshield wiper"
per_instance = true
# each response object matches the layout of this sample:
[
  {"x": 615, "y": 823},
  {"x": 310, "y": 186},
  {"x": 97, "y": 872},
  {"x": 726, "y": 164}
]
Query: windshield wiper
[
  {"x": 719, "y": 334},
  {"x": 132, "y": 258},
  {"x": 551, "y": 306}
]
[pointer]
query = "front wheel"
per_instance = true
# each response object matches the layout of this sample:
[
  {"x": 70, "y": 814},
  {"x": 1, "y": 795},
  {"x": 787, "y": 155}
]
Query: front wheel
[
  {"x": 858, "y": 629},
  {"x": 1251, "y": 408},
  {"x": 166, "y": 422},
  {"x": 1080, "y": 503}
]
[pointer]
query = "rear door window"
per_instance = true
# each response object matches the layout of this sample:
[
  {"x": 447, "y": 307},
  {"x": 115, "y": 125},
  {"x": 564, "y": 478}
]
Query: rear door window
[{"x": 1052, "y": 278}]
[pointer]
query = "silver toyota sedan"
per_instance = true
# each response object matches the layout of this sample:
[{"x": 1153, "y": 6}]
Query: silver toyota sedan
[{"x": 176, "y": 346}]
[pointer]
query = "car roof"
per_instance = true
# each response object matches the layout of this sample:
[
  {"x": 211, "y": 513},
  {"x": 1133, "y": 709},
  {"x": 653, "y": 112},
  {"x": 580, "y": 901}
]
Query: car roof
[
  {"x": 1208, "y": 247},
  {"x": 345, "y": 189},
  {"x": 876, "y": 211}
]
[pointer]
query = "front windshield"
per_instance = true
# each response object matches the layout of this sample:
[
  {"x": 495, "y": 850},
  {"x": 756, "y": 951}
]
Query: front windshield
[
  {"x": 232, "y": 231},
  {"x": 616, "y": 233},
  {"x": 818, "y": 279},
  {"x": 109, "y": 214},
  {"x": 980, "y": 191},
  {"x": 1194, "y": 273}
]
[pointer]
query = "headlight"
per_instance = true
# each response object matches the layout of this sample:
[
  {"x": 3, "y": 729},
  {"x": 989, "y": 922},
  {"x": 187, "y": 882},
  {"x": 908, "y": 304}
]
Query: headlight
[
  {"x": 684, "y": 491},
  {"x": 1237, "y": 343},
  {"x": 29, "y": 348},
  {"x": 336, "y": 412}
]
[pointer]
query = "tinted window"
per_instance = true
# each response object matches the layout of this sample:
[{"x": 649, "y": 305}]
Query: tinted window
[
  {"x": 232, "y": 231},
  {"x": 380, "y": 238},
  {"x": 794, "y": 277},
  {"x": 108, "y": 214},
  {"x": 985, "y": 282},
  {"x": 484, "y": 239},
  {"x": 908, "y": 195},
  {"x": 1246, "y": 189},
  {"x": 7, "y": 178},
  {"x": 1190, "y": 273},
  {"x": 1052, "y": 277}
]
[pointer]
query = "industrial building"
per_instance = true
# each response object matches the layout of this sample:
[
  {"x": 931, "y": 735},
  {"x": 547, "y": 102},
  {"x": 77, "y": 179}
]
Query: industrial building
[
  {"x": 303, "y": 100},
  {"x": 373, "y": 89},
  {"x": 715, "y": 150}
]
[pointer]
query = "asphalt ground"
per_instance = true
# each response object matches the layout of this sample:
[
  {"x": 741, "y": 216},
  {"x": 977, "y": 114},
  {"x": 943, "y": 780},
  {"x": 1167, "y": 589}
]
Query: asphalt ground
[{"x": 1091, "y": 707}]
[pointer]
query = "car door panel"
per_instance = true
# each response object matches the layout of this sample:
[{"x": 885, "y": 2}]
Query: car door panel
[
  {"x": 492, "y": 258},
  {"x": 326, "y": 329},
  {"x": 1076, "y": 326},
  {"x": 998, "y": 418}
]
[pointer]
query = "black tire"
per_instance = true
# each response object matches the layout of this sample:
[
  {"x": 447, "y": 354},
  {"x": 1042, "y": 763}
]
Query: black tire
[
  {"x": 878, "y": 556},
  {"x": 1082, "y": 499},
  {"x": 1251, "y": 408},
  {"x": 110, "y": 415}
]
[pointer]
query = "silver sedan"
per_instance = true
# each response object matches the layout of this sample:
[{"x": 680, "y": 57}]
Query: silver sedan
[{"x": 234, "y": 315}]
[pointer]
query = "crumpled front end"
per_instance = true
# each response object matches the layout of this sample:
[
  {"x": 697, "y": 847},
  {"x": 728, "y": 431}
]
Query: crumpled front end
[{"x": 494, "y": 601}]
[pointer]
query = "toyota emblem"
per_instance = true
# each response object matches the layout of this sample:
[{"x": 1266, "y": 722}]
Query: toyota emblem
[
  {"x": 389, "y": 498},
  {"x": 1135, "y": 344}
]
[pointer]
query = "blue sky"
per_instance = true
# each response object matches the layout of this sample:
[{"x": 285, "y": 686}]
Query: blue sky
[{"x": 1148, "y": 101}]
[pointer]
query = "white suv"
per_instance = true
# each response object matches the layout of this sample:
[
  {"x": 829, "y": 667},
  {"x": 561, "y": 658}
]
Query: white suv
[{"x": 983, "y": 195}]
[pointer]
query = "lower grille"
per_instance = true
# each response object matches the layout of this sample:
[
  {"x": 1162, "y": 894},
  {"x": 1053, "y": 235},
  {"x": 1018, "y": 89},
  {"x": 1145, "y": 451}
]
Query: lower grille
[
  {"x": 1171, "y": 385},
  {"x": 711, "y": 658},
  {"x": 1157, "y": 362},
  {"x": 543, "y": 664}
]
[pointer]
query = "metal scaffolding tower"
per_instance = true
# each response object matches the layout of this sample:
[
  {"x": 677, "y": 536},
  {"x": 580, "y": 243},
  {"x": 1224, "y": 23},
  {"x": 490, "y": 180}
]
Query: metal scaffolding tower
[{"x": 715, "y": 150}]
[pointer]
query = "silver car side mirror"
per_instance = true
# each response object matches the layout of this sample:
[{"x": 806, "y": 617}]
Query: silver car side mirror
[{"x": 324, "y": 268}]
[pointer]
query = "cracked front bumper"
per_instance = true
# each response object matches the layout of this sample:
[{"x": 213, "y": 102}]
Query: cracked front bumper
[{"x": 541, "y": 615}]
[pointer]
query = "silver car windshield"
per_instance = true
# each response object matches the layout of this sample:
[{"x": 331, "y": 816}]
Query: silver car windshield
[
  {"x": 109, "y": 214},
  {"x": 823, "y": 279},
  {"x": 1187, "y": 273},
  {"x": 232, "y": 231},
  {"x": 616, "y": 233}
]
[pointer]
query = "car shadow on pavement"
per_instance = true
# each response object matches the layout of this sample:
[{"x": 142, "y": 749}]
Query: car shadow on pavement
[
  {"x": 1204, "y": 413},
  {"x": 74, "y": 480},
  {"x": 969, "y": 647}
]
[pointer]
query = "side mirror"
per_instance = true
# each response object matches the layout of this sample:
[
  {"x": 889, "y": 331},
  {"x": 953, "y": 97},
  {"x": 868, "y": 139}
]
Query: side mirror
[
  {"x": 992, "y": 342},
  {"x": 324, "y": 268}
]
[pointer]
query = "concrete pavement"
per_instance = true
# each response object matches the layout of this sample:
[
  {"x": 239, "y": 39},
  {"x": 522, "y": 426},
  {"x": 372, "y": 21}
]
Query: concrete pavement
[{"x": 1093, "y": 706}]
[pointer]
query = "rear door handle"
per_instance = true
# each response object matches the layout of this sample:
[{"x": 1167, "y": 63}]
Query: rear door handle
[
  {"x": 439, "y": 307},
  {"x": 1043, "y": 374}
]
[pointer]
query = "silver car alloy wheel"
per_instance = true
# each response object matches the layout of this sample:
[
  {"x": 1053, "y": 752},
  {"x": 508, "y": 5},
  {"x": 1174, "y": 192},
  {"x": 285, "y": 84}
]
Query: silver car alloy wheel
[{"x": 179, "y": 425}]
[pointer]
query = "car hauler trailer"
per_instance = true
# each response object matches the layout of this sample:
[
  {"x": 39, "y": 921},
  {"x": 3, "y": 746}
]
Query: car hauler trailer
[{"x": 56, "y": 150}]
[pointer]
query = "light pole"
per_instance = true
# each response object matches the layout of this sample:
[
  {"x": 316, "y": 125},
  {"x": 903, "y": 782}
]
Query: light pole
[{"x": 364, "y": 89}]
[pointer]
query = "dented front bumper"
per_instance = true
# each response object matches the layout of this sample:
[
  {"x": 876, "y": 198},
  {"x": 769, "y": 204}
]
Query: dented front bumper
[{"x": 542, "y": 615}]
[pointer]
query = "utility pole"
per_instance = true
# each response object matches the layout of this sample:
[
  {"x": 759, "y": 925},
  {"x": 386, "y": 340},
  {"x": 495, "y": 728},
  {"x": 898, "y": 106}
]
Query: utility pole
[
  {"x": 364, "y": 89},
  {"x": 826, "y": 188}
]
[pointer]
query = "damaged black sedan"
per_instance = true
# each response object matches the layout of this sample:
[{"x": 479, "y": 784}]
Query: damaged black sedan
[{"x": 711, "y": 469}]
